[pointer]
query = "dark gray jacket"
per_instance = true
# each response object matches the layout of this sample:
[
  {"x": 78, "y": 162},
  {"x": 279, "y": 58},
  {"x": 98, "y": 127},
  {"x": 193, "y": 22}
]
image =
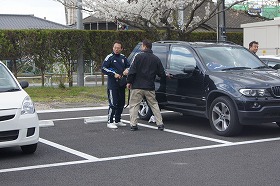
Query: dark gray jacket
[{"x": 143, "y": 70}]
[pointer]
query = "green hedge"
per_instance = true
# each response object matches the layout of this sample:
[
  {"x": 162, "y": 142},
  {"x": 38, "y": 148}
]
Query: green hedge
[{"x": 47, "y": 47}]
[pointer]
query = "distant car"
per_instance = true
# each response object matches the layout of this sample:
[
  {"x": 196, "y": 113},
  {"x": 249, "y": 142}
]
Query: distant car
[
  {"x": 272, "y": 61},
  {"x": 19, "y": 124}
]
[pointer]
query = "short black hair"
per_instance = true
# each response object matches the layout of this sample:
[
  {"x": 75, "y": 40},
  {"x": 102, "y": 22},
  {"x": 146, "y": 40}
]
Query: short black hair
[
  {"x": 253, "y": 42},
  {"x": 147, "y": 43},
  {"x": 118, "y": 42}
]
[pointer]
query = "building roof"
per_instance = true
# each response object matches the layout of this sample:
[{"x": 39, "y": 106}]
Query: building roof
[
  {"x": 92, "y": 19},
  {"x": 275, "y": 22},
  {"x": 234, "y": 19},
  {"x": 15, "y": 21}
]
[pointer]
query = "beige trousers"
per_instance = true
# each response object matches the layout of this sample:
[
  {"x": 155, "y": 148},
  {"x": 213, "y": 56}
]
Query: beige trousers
[{"x": 136, "y": 96}]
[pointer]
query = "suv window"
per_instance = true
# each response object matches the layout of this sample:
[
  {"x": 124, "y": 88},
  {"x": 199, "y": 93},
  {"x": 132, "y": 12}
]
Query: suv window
[
  {"x": 180, "y": 57},
  {"x": 219, "y": 58},
  {"x": 161, "y": 52}
]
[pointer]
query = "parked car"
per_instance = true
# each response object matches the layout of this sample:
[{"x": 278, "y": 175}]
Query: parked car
[
  {"x": 272, "y": 61},
  {"x": 220, "y": 81},
  {"x": 19, "y": 124}
]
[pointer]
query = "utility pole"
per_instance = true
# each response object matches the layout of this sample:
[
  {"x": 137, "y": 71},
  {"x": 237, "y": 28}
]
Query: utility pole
[
  {"x": 80, "y": 61},
  {"x": 181, "y": 16},
  {"x": 221, "y": 22}
]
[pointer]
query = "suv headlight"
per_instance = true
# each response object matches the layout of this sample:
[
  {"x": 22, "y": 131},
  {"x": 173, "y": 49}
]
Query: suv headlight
[
  {"x": 254, "y": 92},
  {"x": 27, "y": 106}
]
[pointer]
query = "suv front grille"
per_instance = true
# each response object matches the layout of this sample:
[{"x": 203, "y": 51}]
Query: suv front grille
[
  {"x": 276, "y": 91},
  {"x": 9, "y": 135}
]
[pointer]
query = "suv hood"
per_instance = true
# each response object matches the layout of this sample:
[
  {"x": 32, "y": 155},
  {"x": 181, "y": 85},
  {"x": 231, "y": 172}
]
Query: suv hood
[
  {"x": 12, "y": 100},
  {"x": 251, "y": 77}
]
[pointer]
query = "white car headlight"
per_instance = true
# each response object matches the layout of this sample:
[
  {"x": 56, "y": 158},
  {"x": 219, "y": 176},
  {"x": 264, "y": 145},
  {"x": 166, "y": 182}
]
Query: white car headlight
[
  {"x": 254, "y": 92},
  {"x": 27, "y": 106}
]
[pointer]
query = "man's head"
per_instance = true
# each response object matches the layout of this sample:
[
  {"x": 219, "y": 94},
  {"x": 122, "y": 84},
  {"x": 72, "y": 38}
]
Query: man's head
[
  {"x": 254, "y": 46},
  {"x": 117, "y": 47},
  {"x": 146, "y": 44}
]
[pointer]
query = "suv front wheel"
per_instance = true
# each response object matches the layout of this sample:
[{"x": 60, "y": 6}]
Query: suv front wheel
[
  {"x": 144, "y": 111},
  {"x": 223, "y": 117}
]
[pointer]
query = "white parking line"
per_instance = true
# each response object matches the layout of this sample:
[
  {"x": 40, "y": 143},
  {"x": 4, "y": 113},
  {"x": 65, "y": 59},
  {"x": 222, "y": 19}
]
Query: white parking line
[
  {"x": 182, "y": 133},
  {"x": 91, "y": 159},
  {"x": 44, "y": 166},
  {"x": 69, "y": 150},
  {"x": 138, "y": 155},
  {"x": 188, "y": 149},
  {"x": 97, "y": 119},
  {"x": 72, "y": 109},
  {"x": 46, "y": 123}
]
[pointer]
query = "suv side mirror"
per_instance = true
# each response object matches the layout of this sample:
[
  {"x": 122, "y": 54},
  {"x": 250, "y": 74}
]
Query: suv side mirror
[
  {"x": 277, "y": 66},
  {"x": 24, "y": 84},
  {"x": 188, "y": 69}
]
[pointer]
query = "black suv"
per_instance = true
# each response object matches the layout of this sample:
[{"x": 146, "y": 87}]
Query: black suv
[{"x": 220, "y": 81}]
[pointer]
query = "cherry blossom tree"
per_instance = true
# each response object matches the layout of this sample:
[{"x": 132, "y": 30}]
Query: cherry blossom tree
[{"x": 154, "y": 15}]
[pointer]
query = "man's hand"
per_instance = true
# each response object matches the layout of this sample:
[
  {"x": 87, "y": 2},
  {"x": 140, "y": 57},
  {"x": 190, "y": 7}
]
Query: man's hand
[
  {"x": 128, "y": 85},
  {"x": 125, "y": 72},
  {"x": 117, "y": 76}
]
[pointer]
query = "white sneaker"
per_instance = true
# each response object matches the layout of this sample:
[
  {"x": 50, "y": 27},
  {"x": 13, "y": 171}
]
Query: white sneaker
[
  {"x": 112, "y": 126},
  {"x": 152, "y": 119},
  {"x": 121, "y": 124}
]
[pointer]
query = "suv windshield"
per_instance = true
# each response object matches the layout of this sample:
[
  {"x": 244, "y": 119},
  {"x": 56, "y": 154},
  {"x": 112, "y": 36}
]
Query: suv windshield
[
  {"x": 229, "y": 58},
  {"x": 7, "y": 83}
]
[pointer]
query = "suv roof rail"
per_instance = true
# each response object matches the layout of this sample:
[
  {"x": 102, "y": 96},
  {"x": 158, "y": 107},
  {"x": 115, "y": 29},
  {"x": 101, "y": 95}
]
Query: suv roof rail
[
  {"x": 215, "y": 41},
  {"x": 170, "y": 41}
]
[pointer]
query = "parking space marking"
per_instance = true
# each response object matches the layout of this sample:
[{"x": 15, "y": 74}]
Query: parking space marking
[
  {"x": 72, "y": 109},
  {"x": 183, "y": 133},
  {"x": 91, "y": 159},
  {"x": 69, "y": 150},
  {"x": 189, "y": 149},
  {"x": 46, "y": 123},
  {"x": 45, "y": 166},
  {"x": 138, "y": 155}
]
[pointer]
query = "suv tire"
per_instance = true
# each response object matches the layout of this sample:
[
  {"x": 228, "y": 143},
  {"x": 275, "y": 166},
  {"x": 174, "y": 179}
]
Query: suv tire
[
  {"x": 223, "y": 117},
  {"x": 144, "y": 111}
]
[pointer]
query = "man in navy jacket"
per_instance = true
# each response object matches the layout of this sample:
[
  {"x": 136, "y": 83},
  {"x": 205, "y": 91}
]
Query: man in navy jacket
[{"x": 115, "y": 66}]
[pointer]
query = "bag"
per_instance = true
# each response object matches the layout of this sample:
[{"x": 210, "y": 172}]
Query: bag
[{"x": 122, "y": 81}]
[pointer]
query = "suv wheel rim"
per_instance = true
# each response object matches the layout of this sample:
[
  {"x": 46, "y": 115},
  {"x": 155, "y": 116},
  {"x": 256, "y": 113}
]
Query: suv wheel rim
[
  {"x": 143, "y": 108},
  {"x": 221, "y": 116}
]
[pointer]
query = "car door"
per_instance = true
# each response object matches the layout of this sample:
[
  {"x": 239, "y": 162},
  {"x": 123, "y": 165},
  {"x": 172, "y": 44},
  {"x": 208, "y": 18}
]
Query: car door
[{"x": 184, "y": 88}]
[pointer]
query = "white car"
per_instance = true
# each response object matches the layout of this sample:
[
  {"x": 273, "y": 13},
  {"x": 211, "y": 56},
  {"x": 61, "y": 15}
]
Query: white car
[
  {"x": 271, "y": 60},
  {"x": 19, "y": 124}
]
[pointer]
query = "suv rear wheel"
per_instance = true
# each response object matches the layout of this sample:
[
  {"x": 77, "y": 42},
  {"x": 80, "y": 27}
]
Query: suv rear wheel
[
  {"x": 144, "y": 111},
  {"x": 223, "y": 117}
]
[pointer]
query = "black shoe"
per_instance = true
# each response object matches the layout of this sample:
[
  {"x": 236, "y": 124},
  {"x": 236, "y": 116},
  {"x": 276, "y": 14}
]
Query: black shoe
[
  {"x": 133, "y": 128},
  {"x": 161, "y": 127}
]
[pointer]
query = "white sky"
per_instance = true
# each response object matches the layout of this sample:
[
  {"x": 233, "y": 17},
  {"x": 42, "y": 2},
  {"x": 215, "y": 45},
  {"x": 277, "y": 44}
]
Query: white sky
[{"x": 52, "y": 10}]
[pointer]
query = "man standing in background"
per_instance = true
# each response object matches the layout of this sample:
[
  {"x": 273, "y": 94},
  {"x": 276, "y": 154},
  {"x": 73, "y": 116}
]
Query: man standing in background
[{"x": 253, "y": 47}]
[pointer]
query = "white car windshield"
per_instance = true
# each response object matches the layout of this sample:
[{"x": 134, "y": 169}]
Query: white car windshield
[
  {"x": 229, "y": 58},
  {"x": 7, "y": 83}
]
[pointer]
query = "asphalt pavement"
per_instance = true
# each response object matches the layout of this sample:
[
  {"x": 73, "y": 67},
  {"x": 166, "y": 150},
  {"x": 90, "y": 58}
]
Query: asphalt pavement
[{"x": 187, "y": 153}]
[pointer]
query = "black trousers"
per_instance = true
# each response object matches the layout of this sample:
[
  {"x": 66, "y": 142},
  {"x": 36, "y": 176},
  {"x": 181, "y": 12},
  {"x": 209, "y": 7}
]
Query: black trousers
[{"x": 116, "y": 98}]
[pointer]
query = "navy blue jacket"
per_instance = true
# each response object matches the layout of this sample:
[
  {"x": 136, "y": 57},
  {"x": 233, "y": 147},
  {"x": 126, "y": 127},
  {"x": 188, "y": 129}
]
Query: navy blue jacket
[{"x": 112, "y": 64}]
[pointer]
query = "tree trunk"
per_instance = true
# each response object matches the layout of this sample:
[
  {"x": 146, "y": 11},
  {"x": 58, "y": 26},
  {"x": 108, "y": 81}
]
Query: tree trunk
[
  {"x": 14, "y": 67},
  {"x": 43, "y": 79}
]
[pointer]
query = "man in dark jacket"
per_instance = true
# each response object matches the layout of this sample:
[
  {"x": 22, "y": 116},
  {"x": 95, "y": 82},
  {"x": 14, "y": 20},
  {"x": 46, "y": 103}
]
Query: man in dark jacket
[
  {"x": 115, "y": 66},
  {"x": 141, "y": 81}
]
